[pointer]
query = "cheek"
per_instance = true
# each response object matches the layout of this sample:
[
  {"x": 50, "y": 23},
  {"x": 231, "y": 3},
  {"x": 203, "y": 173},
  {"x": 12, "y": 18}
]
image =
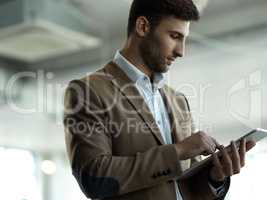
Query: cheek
[
  {"x": 161, "y": 45},
  {"x": 167, "y": 47}
]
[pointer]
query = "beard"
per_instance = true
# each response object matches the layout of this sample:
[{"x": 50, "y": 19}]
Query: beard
[{"x": 151, "y": 54}]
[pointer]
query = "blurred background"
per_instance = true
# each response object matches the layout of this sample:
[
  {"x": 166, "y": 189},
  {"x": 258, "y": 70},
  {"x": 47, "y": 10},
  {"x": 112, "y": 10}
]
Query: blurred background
[{"x": 46, "y": 43}]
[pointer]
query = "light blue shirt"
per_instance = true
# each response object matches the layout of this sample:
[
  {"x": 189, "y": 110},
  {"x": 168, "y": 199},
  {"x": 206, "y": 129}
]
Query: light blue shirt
[{"x": 152, "y": 97}]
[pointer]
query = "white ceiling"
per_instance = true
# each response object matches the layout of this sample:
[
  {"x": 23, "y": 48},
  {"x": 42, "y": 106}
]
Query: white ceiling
[{"x": 219, "y": 16}]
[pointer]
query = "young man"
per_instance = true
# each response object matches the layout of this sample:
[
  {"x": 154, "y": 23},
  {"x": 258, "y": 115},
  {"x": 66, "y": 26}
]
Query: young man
[{"x": 128, "y": 135}]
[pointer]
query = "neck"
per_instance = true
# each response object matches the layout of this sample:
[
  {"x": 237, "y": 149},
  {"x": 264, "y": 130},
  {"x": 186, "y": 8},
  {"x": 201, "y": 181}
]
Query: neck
[{"x": 131, "y": 52}]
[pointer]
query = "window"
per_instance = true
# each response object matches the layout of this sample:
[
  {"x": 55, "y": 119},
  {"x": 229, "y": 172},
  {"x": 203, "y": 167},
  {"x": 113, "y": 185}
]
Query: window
[{"x": 19, "y": 178}]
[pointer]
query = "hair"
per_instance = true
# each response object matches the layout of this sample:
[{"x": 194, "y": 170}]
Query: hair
[{"x": 156, "y": 10}]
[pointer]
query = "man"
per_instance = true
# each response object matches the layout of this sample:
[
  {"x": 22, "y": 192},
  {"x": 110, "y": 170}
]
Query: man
[{"x": 128, "y": 135}]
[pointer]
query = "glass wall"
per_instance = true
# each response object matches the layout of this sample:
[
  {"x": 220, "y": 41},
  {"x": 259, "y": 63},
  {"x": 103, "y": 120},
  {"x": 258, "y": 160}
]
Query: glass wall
[
  {"x": 28, "y": 176},
  {"x": 20, "y": 179}
]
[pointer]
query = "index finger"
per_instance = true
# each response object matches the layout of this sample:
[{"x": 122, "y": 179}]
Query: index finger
[{"x": 216, "y": 143}]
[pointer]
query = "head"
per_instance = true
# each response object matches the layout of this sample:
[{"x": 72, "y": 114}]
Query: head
[{"x": 160, "y": 28}]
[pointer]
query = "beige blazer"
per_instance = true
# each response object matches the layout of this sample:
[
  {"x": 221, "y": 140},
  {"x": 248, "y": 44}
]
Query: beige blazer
[{"x": 114, "y": 146}]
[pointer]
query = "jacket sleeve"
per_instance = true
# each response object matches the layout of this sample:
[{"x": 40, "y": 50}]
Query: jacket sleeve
[
  {"x": 199, "y": 184},
  {"x": 89, "y": 146}
]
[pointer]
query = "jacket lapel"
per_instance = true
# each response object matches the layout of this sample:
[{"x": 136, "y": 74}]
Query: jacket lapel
[{"x": 129, "y": 90}]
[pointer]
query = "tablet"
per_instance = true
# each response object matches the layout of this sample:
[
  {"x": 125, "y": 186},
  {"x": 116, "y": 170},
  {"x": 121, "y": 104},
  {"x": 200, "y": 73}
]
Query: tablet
[{"x": 255, "y": 135}]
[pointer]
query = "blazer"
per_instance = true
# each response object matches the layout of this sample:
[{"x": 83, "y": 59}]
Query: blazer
[{"x": 115, "y": 148}]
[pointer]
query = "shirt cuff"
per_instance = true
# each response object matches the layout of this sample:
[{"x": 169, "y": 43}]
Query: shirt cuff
[
  {"x": 218, "y": 190},
  {"x": 217, "y": 187}
]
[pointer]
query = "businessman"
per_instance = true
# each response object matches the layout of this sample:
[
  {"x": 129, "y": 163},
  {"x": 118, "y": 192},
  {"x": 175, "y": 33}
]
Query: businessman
[{"x": 129, "y": 135}]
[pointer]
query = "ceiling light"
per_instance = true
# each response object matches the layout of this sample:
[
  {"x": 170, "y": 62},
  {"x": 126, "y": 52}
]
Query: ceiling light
[
  {"x": 49, "y": 167},
  {"x": 40, "y": 40}
]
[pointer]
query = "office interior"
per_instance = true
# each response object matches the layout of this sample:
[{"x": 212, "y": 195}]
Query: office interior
[{"x": 46, "y": 43}]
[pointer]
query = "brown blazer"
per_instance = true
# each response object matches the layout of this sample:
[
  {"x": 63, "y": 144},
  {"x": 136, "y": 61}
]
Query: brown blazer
[{"x": 115, "y": 147}]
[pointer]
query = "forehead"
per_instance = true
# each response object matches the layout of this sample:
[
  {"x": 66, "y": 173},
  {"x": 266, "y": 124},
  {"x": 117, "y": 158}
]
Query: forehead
[{"x": 174, "y": 24}]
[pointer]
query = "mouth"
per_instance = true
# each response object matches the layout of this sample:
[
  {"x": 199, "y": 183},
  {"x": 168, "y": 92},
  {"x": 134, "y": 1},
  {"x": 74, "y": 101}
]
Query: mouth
[{"x": 170, "y": 60}]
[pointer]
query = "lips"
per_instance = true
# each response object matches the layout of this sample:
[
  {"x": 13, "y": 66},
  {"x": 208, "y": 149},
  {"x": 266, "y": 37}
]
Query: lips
[
  {"x": 169, "y": 62},
  {"x": 171, "y": 59}
]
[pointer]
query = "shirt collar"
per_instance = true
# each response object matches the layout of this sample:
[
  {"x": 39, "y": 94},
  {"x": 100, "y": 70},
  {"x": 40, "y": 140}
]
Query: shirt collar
[{"x": 135, "y": 74}]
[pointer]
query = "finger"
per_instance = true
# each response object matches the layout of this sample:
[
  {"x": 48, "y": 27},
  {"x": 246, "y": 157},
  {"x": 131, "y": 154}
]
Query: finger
[
  {"x": 250, "y": 144},
  {"x": 209, "y": 150},
  {"x": 206, "y": 153},
  {"x": 212, "y": 143},
  {"x": 226, "y": 162},
  {"x": 209, "y": 147},
  {"x": 219, "y": 169},
  {"x": 242, "y": 152},
  {"x": 235, "y": 158},
  {"x": 216, "y": 143}
]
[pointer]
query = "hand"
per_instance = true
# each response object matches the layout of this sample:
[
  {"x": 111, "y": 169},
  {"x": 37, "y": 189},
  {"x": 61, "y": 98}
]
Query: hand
[
  {"x": 231, "y": 161},
  {"x": 197, "y": 144}
]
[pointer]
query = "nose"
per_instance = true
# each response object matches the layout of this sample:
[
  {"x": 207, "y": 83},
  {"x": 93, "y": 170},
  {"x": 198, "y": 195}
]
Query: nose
[{"x": 179, "y": 49}]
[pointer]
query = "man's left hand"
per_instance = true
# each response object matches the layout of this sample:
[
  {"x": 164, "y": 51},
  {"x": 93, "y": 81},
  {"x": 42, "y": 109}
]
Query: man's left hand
[{"x": 230, "y": 162}]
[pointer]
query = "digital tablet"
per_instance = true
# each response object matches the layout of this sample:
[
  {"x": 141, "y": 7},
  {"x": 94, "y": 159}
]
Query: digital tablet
[{"x": 254, "y": 135}]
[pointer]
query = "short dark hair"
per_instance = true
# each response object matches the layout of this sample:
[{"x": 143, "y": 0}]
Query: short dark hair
[{"x": 155, "y": 10}]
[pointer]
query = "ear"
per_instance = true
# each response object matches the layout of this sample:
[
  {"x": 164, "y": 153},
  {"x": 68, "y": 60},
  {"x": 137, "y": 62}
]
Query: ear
[{"x": 142, "y": 26}]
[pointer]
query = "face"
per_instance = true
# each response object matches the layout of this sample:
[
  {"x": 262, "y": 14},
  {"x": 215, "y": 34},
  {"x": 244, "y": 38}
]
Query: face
[{"x": 160, "y": 47}]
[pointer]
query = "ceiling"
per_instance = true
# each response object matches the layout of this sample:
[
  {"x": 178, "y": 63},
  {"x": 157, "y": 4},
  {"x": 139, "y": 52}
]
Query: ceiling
[{"x": 227, "y": 15}]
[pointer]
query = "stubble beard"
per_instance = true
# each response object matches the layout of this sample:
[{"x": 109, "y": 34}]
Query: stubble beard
[{"x": 151, "y": 55}]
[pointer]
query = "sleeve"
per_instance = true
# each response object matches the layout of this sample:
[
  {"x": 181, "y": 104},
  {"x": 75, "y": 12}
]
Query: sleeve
[
  {"x": 200, "y": 185},
  {"x": 89, "y": 147}
]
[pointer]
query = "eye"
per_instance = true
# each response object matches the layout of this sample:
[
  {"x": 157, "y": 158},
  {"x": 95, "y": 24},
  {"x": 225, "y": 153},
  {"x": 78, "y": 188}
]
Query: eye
[{"x": 176, "y": 36}]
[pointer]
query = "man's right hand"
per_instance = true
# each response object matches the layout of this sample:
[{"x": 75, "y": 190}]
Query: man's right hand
[{"x": 197, "y": 144}]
